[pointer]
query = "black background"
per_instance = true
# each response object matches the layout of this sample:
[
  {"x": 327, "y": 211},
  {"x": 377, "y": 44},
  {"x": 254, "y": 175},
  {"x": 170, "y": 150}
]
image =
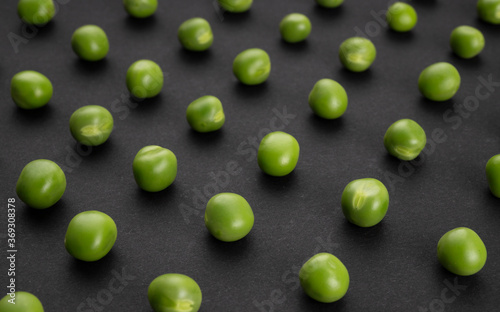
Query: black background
[{"x": 393, "y": 266}]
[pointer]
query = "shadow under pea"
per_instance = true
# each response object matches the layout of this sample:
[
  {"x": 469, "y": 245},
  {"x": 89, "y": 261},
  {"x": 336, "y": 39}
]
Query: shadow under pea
[
  {"x": 326, "y": 125},
  {"x": 400, "y": 37},
  {"x": 246, "y": 91},
  {"x": 297, "y": 47},
  {"x": 194, "y": 58},
  {"x": 472, "y": 63},
  {"x": 306, "y": 303},
  {"x": 353, "y": 77},
  {"x": 233, "y": 18},
  {"x": 32, "y": 31},
  {"x": 435, "y": 107},
  {"x": 88, "y": 271},
  {"x": 205, "y": 139},
  {"x": 87, "y": 68},
  {"x": 140, "y": 24},
  {"x": 44, "y": 219},
  {"x": 229, "y": 251},
  {"x": 271, "y": 184},
  {"x": 33, "y": 116},
  {"x": 328, "y": 14},
  {"x": 155, "y": 201}
]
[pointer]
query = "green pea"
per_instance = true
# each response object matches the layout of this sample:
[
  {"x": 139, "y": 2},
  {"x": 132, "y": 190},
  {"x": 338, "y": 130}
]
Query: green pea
[
  {"x": 174, "y": 293},
  {"x": 205, "y": 114},
  {"x": 405, "y": 139},
  {"x": 365, "y": 202},
  {"x": 41, "y": 184},
  {"x": 324, "y": 278},
  {"x": 144, "y": 79},
  {"x": 24, "y": 302},
  {"x": 252, "y": 66},
  {"x": 155, "y": 168},
  {"x": 462, "y": 252},
  {"x": 90, "y": 43},
  {"x": 36, "y": 12},
  {"x": 236, "y": 6},
  {"x": 295, "y": 27},
  {"x": 493, "y": 174},
  {"x": 439, "y": 82},
  {"x": 278, "y": 154},
  {"x": 228, "y": 217},
  {"x": 357, "y": 54},
  {"x": 90, "y": 235},
  {"x": 328, "y": 99},
  {"x": 140, "y": 8},
  {"x": 91, "y": 125},
  {"x": 330, "y": 4},
  {"x": 30, "y": 89},
  {"x": 489, "y": 11},
  {"x": 195, "y": 34},
  {"x": 401, "y": 17},
  {"x": 467, "y": 41}
]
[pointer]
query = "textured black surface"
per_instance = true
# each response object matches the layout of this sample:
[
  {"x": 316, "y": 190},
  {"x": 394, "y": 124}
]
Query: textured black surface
[{"x": 393, "y": 266}]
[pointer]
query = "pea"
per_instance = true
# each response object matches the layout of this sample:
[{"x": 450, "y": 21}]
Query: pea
[
  {"x": 144, "y": 79},
  {"x": 324, "y": 278},
  {"x": 41, "y": 184},
  {"x": 30, "y": 89},
  {"x": 155, "y": 168},
  {"x": 140, "y": 8},
  {"x": 328, "y": 99},
  {"x": 330, "y": 4},
  {"x": 439, "y": 82},
  {"x": 36, "y": 12},
  {"x": 278, "y": 154},
  {"x": 91, "y": 125},
  {"x": 401, "y": 17},
  {"x": 25, "y": 302},
  {"x": 252, "y": 66},
  {"x": 493, "y": 174},
  {"x": 357, "y": 54},
  {"x": 467, "y": 41},
  {"x": 295, "y": 27},
  {"x": 405, "y": 139},
  {"x": 489, "y": 11},
  {"x": 90, "y": 235},
  {"x": 228, "y": 217},
  {"x": 90, "y": 43},
  {"x": 174, "y": 293},
  {"x": 195, "y": 34},
  {"x": 205, "y": 114},
  {"x": 461, "y": 251},
  {"x": 236, "y": 6}
]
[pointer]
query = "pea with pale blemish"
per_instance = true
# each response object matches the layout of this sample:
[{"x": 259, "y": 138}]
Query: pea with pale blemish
[
  {"x": 357, "y": 54},
  {"x": 36, "y": 12},
  {"x": 195, "y": 34},
  {"x": 236, "y": 6},
  {"x": 90, "y": 43},
  {"x": 252, "y": 66},
  {"x": 91, "y": 125},
  {"x": 155, "y": 168},
  {"x": 30, "y": 89},
  {"x": 144, "y": 79},
  {"x": 405, "y": 139},
  {"x": 489, "y": 11},
  {"x": 174, "y": 293},
  {"x": 206, "y": 114},
  {"x": 467, "y": 41}
]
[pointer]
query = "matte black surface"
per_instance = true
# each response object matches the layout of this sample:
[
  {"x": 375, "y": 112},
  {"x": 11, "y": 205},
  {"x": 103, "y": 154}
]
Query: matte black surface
[{"x": 393, "y": 266}]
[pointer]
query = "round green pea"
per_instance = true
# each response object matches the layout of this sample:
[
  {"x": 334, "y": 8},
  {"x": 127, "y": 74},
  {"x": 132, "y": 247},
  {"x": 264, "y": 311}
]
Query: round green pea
[
  {"x": 439, "y": 82},
  {"x": 195, "y": 34},
  {"x": 140, "y": 8},
  {"x": 24, "y": 302},
  {"x": 401, "y": 17},
  {"x": 36, "y": 12},
  {"x": 328, "y": 99},
  {"x": 252, "y": 66},
  {"x": 462, "y": 252},
  {"x": 330, "y": 4},
  {"x": 90, "y": 235},
  {"x": 405, "y": 139},
  {"x": 236, "y": 6},
  {"x": 466, "y": 41},
  {"x": 357, "y": 54},
  {"x": 155, "y": 168},
  {"x": 90, "y": 43},
  {"x": 324, "y": 278},
  {"x": 489, "y": 11},
  {"x": 91, "y": 125},
  {"x": 144, "y": 79},
  {"x": 493, "y": 174},
  {"x": 30, "y": 89},
  {"x": 205, "y": 114},
  {"x": 228, "y": 217},
  {"x": 365, "y": 202},
  {"x": 278, "y": 154},
  {"x": 41, "y": 184},
  {"x": 295, "y": 27},
  {"x": 174, "y": 293}
]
